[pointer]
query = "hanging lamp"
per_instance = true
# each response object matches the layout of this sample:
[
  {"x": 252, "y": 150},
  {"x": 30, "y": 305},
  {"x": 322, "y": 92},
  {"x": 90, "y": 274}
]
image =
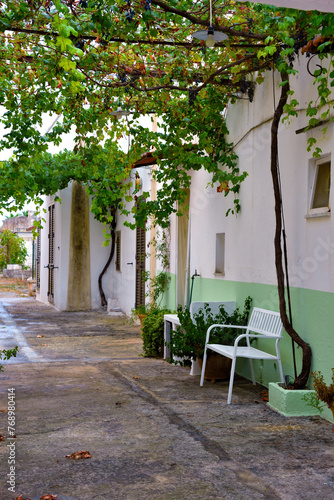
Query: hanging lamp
[
  {"x": 210, "y": 36},
  {"x": 119, "y": 112}
]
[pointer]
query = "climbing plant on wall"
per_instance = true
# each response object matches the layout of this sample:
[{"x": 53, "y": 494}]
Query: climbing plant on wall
[{"x": 82, "y": 59}]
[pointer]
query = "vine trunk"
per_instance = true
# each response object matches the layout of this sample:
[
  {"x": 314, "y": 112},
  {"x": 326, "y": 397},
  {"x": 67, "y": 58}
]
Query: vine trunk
[
  {"x": 301, "y": 379},
  {"x": 110, "y": 258}
]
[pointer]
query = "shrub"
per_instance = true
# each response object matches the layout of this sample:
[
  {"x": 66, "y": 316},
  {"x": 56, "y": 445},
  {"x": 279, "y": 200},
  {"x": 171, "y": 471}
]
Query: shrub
[
  {"x": 153, "y": 332},
  {"x": 188, "y": 340}
]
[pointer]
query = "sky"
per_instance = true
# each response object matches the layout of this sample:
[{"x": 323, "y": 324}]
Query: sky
[{"x": 321, "y": 5}]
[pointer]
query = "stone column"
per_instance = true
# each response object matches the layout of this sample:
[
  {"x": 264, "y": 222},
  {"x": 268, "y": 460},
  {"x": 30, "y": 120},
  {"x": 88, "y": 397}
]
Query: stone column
[{"x": 79, "y": 289}]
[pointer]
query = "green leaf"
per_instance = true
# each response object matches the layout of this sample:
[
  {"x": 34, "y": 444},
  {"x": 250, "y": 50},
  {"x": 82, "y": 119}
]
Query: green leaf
[{"x": 67, "y": 64}]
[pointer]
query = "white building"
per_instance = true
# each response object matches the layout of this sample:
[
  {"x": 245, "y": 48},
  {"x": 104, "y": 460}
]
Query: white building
[{"x": 234, "y": 255}]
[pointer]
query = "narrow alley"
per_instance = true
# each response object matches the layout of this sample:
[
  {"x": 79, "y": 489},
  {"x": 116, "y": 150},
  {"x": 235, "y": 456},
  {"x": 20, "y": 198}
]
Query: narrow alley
[{"x": 81, "y": 384}]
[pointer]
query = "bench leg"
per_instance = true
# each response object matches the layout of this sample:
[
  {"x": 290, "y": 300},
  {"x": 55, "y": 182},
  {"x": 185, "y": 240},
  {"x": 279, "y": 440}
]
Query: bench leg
[
  {"x": 252, "y": 371},
  {"x": 230, "y": 387},
  {"x": 203, "y": 368},
  {"x": 280, "y": 370}
]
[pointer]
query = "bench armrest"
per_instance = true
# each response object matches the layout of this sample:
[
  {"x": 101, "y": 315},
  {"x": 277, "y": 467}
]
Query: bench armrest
[{"x": 221, "y": 326}]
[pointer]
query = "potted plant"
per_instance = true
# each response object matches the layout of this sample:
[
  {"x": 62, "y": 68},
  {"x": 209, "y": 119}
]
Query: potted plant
[
  {"x": 158, "y": 285},
  {"x": 188, "y": 340},
  {"x": 139, "y": 313},
  {"x": 289, "y": 402}
]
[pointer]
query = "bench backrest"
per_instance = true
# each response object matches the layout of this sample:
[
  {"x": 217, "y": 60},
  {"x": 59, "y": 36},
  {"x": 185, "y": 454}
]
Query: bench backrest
[{"x": 265, "y": 322}]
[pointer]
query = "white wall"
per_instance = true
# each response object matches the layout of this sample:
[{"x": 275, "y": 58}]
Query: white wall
[
  {"x": 61, "y": 249},
  {"x": 250, "y": 234},
  {"x": 120, "y": 285}
]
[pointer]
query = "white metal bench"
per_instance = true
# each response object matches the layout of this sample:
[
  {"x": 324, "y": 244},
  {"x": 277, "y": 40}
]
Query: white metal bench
[{"x": 265, "y": 325}]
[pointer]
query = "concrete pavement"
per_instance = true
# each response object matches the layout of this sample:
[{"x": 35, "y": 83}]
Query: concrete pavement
[{"x": 81, "y": 384}]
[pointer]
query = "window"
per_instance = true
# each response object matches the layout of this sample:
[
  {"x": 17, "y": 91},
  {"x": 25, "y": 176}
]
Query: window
[
  {"x": 220, "y": 253},
  {"x": 320, "y": 189},
  {"x": 118, "y": 251}
]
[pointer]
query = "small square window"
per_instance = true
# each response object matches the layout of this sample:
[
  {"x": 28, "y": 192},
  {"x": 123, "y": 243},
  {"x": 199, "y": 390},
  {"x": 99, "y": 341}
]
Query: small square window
[
  {"x": 322, "y": 186},
  {"x": 320, "y": 189},
  {"x": 220, "y": 253}
]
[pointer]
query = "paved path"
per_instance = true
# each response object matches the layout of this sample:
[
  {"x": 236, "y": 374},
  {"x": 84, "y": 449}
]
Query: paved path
[
  {"x": 81, "y": 384},
  {"x": 11, "y": 336}
]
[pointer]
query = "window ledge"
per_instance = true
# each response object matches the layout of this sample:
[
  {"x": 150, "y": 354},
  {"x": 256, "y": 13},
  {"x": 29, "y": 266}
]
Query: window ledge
[
  {"x": 219, "y": 275},
  {"x": 321, "y": 212}
]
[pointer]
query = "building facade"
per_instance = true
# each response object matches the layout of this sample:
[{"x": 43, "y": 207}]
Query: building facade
[{"x": 232, "y": 257}]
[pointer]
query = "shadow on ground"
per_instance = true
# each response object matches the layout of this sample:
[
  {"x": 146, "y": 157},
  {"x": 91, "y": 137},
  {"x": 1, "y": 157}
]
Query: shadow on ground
[{"x": 81, "y": 384}]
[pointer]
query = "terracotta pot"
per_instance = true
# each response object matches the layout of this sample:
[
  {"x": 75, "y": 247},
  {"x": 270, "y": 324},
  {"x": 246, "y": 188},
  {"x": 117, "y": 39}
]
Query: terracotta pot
[
  {"x": 217, "y": 367},
  {"x": 141, "y": 318}
]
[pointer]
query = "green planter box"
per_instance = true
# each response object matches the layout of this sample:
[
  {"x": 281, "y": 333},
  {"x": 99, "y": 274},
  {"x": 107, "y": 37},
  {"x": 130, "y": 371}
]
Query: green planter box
[{"x": 290, "y": 403}]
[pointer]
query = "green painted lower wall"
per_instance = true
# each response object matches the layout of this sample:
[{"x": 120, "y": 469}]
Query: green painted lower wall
[
  {"x": 313, "y": 319},
  {"x": 169, "y": 298}
]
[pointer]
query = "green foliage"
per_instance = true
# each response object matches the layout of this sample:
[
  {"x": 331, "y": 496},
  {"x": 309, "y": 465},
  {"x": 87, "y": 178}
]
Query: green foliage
[
  {"x": 188, "y": 340},
  {"x": 7, "y": 354},
  {"x": 79, "y": 61},
  {"x": 153, "y": 332},
  {"x": 12, "y": 249},
  {"x": 158, "y": 285},
  {"x": 313, "y": 401},
  {"x": 161, "y": 247}
]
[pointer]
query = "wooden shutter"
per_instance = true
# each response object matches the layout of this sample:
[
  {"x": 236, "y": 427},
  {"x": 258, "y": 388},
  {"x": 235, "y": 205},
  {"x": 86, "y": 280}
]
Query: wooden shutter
[
  {"x": 118, "y": 251},
  {"x": 38, "y": 260},
  {"x": 140, "y": 264},
  {"x": 51, "y": 253}
]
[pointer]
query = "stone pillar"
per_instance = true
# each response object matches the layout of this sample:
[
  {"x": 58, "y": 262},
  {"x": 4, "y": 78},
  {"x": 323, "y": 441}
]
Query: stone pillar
[{"x": 79, "y": 289}]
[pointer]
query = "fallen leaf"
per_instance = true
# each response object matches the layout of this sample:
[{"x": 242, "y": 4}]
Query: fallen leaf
[
  {"x": 3, "y": 411},
  {"x": 136, "y": 378},
  {"x": 2, "y": 438},
  {"x": 265, "y": 395},
  {"x": 40, "y": 336},
  {"x": 79, "y": 454},
  {"x": 49, "y": 497}
]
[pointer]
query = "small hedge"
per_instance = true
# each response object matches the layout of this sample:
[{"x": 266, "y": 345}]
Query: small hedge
[{"x": 153, "y": 332}]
